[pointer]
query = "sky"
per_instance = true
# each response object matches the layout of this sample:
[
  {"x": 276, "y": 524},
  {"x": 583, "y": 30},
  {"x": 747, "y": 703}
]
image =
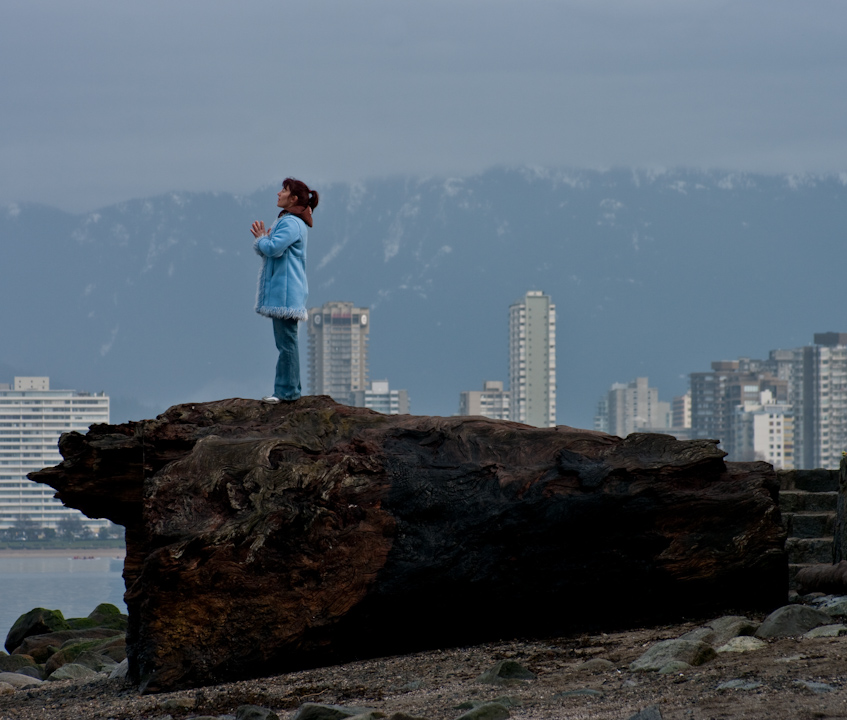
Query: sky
[{"x": 107, "y": 100}]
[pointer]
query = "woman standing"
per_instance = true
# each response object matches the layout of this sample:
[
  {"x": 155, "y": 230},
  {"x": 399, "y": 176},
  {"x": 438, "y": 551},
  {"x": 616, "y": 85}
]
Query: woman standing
[{"x": 283, "y": 288}]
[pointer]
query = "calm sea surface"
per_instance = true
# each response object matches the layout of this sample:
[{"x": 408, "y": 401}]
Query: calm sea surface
[{"x": 73, "y": 585}]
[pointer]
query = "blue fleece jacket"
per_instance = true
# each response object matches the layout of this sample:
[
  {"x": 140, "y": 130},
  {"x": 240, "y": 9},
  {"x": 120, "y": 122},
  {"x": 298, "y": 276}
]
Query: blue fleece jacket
[{"x": 283, "y": 289}]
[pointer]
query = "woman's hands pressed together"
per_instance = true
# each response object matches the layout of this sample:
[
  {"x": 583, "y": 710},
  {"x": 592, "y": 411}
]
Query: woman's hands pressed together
[{"x": 258, "y": 229}]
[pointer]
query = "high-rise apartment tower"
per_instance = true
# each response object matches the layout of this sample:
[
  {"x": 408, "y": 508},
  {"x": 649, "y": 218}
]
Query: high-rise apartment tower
[
  {"x": 532, "y": 360},
  {"x": 338, "y": 350},
  {"x": 821, "y": 401},
  {"x": 32, "y": 417}
]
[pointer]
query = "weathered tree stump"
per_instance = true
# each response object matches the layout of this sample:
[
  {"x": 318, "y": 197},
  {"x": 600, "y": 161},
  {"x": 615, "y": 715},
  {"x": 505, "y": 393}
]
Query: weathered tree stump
[{"x": 269, "y": 537}]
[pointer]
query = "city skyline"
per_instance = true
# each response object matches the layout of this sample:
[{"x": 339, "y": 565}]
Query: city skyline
[
  {"x": 789, "y": 409},
  {"x": 614, "y": 249}
]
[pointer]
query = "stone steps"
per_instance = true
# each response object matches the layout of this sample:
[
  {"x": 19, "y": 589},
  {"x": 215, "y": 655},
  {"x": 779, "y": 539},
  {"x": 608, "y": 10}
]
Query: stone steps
[
  {"x": 807, "y": 551},
  {"x": 808, "y": 500},
  {"x": 809, "y": 524},
  {"x": 794, "y": 501}
]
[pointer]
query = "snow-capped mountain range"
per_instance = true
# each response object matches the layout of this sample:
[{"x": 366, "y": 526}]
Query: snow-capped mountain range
[{"x": 652, "y": 273}]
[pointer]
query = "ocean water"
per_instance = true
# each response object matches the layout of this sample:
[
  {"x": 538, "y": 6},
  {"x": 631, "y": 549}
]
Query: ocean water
[{"x": 73, "y": 585}]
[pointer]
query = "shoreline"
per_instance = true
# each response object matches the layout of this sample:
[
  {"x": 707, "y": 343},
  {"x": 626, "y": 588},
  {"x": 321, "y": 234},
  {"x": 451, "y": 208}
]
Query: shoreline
[{"x": 81, "y": 553}]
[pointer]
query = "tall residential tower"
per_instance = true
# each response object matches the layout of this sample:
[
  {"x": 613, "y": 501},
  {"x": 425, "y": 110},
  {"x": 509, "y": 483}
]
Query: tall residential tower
[
  {"x": 32, "y": 417},
  {"x": 338, "y": 350},
  {"x": 532, "y": 360}
]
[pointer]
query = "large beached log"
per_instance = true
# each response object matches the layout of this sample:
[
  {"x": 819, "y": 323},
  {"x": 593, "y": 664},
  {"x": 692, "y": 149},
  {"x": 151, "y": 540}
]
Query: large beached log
[{"x": 270, "y": 537}]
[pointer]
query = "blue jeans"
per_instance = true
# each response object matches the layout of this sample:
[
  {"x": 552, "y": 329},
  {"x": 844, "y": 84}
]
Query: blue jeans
[{"x": 287, "y": 382}]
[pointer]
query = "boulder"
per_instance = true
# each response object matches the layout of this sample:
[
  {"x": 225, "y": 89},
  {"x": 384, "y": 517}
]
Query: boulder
[
  {"x": 71, "y": 671},
  {"x": 651, "y": 712},
  {"x": 692, "y": 652},
  {"x": 114, "y": 649},
  {"x": 742, "y": 643},
  {"x": 13, "y": 663},
  {"x": 41, "y": 647},
  {"x": 834, "y": 606},
  {"x": 95, "y": 661},
  {"x": 106, "y": 615},
  {"x": 486, "y": 711},
  {"x": 33, "y": 671},
  {"x": 120, "y": 671},
  {"x": 254, "y": 712},
  {"x": 674, "y": 667},
  {"x": 731, "y": 626},
  {"x": 18, "y": 680},
  {"x": 791, "y": 621},
  {"x": 264, "y": 538},
  {"x": 506, "y": 672},
  {"x": 320, "y": 711},
  {"x": 71, "y": 650},
  {"x": 836, "y": 630},
  {"x": 36, "y": 622},
  {"x": 595, "y": 665},
  {"x": 718, "y": 632}
]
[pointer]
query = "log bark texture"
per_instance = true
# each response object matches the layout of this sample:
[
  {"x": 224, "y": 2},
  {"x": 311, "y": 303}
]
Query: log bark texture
[{"x": 269, "y": 537}]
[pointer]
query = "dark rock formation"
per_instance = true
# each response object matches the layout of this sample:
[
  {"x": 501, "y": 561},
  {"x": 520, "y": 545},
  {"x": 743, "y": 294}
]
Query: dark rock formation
[
  {"x": 36, "y": 622},
  {"x": 267, "y": 537}
]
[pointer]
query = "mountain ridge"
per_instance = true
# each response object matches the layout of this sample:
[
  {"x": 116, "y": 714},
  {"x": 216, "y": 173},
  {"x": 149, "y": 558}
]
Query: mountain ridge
[{"x": 653, "y": 273}]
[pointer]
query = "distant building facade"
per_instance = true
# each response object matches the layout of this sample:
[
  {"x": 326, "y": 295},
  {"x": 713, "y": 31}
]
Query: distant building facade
[
  {"x": 819, "y": 394},
  {"x": 807, "y": 385},
  {"x": 716, "y": 395},
  {"x": 764, "y": 430},
  {"x": 634, "y": 407},
  {"x": 338, "y": 350},
  {"x": 381, "y": 398},
  {"x": 681, "y": 409},
  {"x": 532, "y": 360},
  {"x": 32, "y": 418},
  {"x": 490, "y": 402}
]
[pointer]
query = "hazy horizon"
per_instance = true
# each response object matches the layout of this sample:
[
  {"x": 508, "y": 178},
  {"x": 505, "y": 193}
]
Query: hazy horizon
[{"x": 126, "y": 100}]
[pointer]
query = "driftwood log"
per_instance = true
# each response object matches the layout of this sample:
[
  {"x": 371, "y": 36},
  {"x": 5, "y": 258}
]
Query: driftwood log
[{"x": 262, "y": 537}]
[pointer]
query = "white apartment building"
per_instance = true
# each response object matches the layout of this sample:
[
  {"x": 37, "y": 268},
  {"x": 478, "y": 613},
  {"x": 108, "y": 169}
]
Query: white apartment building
[
  {"x": 681, "y": 411},
  {"x": 491, "y": 402},
  {"x": 532, "y": 360},
  {"x": 32, "y": 418},
  {"x": 380, "y": 397},
  {"x": 338, "y": 350},
  {"x": 822, "y": 402},
  {"x": 764, "y": 430}
]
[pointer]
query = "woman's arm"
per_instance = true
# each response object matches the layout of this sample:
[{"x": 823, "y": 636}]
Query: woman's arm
[{"x": 284, "y": 234}]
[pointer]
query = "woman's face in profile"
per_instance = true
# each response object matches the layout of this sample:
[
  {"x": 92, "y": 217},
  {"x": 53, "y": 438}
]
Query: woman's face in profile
[{"x": 284, "y": 199}]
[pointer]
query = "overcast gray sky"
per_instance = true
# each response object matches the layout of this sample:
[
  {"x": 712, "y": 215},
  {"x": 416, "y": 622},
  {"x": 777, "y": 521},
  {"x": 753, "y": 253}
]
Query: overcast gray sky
[{"x": 104, "y": 100}]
